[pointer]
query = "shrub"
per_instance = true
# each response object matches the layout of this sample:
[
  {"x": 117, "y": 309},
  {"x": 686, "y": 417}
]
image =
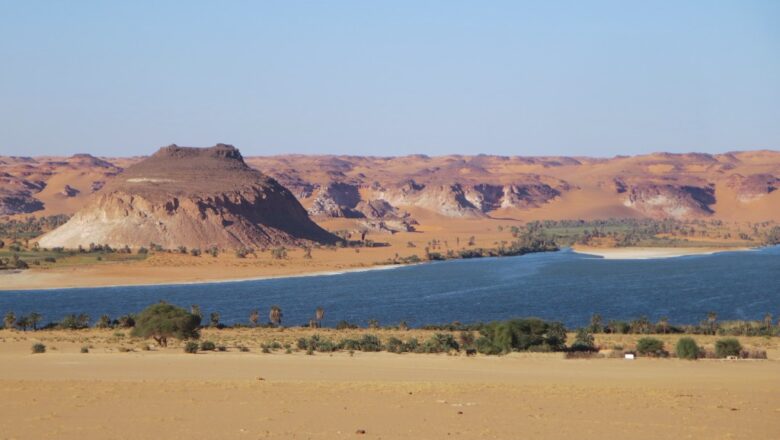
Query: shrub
[
  {"x": 208, "y": 346},
  {"x": 85, "y": 349},
  {"x": 485, "y": 346},
  {"x": 650, "y": 347},
  {"x": 314, "y": 343},
  {"x": 162, "y": 321},
  {"x": 191, "y": 347},
  {"x": 126, "y": 321},
  {"x": 348, "y": 344},
  {"x": 370, "y": 343},
  {"x": 104, "y": 322},
  {"x": 687, "y": 349},
  {"x": 411, "y": 344},
  {"x": 326, "y": 346},
  {"x": 521, "y": 334},
  {"x": 727, "y": 347},
  {"x": 583, "y": 341},
  {"x": 439, "y": 343},
  {"x": 74, "y": 322},
  {"x": 221, "y": 348},
  {"x": 343, "y": 325},
  {"x": 395, "y": 345},
  {"x": 38, "y": 348}
]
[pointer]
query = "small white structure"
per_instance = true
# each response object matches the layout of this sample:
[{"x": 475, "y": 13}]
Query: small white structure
[{"x": 629, "y": 356}]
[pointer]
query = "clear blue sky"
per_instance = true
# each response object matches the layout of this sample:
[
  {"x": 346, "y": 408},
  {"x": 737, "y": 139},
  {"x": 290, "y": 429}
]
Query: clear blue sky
[{"x": 388, "y": 78}]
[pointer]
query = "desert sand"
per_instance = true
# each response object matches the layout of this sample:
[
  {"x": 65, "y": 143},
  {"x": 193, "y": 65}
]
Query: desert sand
[{"x": 168, "y": 394}]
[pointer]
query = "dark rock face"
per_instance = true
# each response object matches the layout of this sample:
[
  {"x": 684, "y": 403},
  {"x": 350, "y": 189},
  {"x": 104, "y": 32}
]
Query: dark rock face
[
  {"x": 18, "y": 202},
  {"x": 194, "y": 197},
  {"x": 16, "y": 195},
  {"x": 754, "y": 186},
  {"x": 69, "y": 191}
]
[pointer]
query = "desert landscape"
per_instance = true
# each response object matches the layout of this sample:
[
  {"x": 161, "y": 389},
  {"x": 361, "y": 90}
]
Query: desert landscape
[
  {"x": 390, "y": 209},
  {"x": 123, "y": 390},
  {"x": 390, "y": 220}
]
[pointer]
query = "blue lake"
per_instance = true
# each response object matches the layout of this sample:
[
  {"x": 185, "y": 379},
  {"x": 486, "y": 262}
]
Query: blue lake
[{"x": 563, "y": 286}]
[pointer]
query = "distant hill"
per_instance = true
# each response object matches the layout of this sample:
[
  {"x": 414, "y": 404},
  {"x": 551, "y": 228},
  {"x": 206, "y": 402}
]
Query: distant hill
[
  {"x": 193, "y": 197},
  {"x": 394, "y": 192}
]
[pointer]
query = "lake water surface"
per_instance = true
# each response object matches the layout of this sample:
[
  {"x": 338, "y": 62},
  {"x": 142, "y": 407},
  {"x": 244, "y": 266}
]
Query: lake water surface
[{"x": 563, "y": 286}]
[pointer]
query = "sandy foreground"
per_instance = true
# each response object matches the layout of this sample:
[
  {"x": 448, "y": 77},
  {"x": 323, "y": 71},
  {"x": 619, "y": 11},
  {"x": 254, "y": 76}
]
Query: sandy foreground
[
  {"x": 168, "y": 394},
  {"x": 646, "y": 253}
]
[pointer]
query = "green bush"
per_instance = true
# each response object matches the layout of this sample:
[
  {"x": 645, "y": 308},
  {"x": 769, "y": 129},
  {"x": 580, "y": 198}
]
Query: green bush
[
  {"x": 314, "y": 343},
  {"x": 162, "y": 321},
  {"x": 687, "y": 349},
  {"x": 74, "y": 322},
  {"x": 208, "y": 346},
  {"x": 411, "y": 344},
  {"x": 395, "y": 345},
  {"x": 727, "y": 347},
  {"x": 344, "y": 325},
  {"x": 521, "y": 335},
  {"x": 85, "y": 349},
  {"x": 370, "y": 343},
  {"x": 583, "y": 341},
  {"x": 191, "y": 347},
  {"x": 38, "y": 348},
  {"x": 349, "y": 344},
  {"x": 650, "y": 347},
  {"x": 439, "y": 343},
  {"x": 485, "y": 346}
]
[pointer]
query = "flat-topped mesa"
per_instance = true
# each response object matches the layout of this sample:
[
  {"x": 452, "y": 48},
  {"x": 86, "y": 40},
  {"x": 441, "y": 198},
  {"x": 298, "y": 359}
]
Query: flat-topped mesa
[{"x": 193, "y": 197}]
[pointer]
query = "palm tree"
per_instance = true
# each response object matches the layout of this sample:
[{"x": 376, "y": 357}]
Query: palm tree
[
  {"x": 23, "y": 323},
  {"x": 34, "y": 319},
  {"x": 254, "y": 316},
  {"x": 712, "y": 321},
  {"x": 275, "y": 315},
  {"x": 104, "y": 322},
  {"x": 596, "y": 325},
  {"x": 9, "y": 320},
  {"x": 768, "y": 323},
  {"x": 318, "y": 315},
  {"x": 663, "y": 324}
]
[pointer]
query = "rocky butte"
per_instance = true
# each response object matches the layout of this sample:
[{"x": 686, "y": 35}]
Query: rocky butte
[{"x": 193, "y": 197}]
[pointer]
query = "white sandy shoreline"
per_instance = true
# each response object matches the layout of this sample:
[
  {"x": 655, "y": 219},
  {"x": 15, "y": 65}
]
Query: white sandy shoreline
[
  {"x": 218, "y": 281},
  {"x": 649, "y": 253}
]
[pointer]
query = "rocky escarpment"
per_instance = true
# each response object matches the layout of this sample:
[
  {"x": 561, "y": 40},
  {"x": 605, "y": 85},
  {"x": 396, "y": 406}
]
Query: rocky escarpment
[
  {"x": 344, "y": 200},
  {"x": 473, "y": 200},
  {"x": 670, "y": 201},
  {"x": 193, "y": 197},
  {"x": 508, "y": 187},
  {"x": 337, "y": 199},
  {"x": 16, "y": 195},
  {"x": 753, "y": 187}
]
